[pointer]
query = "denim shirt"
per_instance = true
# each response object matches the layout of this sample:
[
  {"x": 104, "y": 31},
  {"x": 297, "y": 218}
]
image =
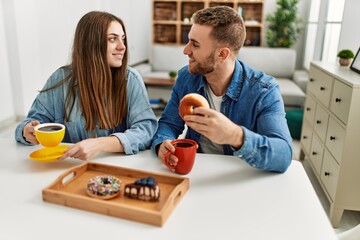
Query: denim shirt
[
  {"x": 252, "y": 101},
  {"x": 134, "y": 133}
]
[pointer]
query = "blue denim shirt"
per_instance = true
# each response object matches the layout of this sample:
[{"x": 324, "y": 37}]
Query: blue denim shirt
[
  {"x": 135, "y": 132},
  {"x": 253, "y": 101}
]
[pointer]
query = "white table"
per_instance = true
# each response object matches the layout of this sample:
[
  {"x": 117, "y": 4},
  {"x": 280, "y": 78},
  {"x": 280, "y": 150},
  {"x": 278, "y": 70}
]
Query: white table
[{"x": 227, "y": 199}]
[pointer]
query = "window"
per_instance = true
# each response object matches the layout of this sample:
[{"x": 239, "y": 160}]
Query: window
[{"x": 323, "y": 31}]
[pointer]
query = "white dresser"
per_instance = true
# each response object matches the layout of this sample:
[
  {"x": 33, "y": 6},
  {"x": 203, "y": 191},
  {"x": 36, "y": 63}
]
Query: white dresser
[{"x": 330, "y": 137}]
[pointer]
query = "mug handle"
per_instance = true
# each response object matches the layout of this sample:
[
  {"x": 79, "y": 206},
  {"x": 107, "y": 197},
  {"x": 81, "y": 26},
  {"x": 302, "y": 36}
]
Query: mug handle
[{"x": 167, "y": 155}]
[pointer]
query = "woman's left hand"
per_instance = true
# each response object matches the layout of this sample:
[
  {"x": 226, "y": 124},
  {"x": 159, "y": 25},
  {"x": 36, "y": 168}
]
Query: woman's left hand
[{"x": 83, "y": 150}]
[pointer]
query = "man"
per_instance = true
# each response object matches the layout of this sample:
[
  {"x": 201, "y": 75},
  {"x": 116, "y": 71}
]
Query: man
[{"x": 247, "y": 117}]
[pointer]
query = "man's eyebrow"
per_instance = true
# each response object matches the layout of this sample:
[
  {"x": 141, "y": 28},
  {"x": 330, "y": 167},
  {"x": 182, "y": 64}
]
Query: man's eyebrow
[{"x": 193, "y": 40}]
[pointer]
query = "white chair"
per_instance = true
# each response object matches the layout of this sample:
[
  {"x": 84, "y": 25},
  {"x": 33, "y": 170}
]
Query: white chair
[{"x": 351, "y": 234}]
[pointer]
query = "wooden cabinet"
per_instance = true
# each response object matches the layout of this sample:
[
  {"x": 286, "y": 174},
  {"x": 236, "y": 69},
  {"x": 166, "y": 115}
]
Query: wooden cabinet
[
  {"x": 330, "y": 137},
  {"x": 171, "y": 19}
]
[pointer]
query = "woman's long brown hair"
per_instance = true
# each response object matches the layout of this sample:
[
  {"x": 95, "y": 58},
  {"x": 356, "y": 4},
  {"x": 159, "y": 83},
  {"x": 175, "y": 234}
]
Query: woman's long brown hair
[{"x": 101, "y": 90}]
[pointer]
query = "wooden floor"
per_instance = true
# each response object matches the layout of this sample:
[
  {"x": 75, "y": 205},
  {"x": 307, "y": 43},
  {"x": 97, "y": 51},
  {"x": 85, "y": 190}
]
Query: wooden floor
[{"x": 349, "y": 220}]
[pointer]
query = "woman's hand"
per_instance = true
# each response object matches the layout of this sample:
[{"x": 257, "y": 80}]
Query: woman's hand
[
  {"x": 89, "y": 148},
  {"x": 29, "y": 132},
  {"x": 84, "y": 150}
]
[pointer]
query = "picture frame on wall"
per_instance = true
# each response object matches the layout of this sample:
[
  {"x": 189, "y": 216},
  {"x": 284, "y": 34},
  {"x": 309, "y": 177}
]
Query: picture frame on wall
[{"x": 355, "y": 65}]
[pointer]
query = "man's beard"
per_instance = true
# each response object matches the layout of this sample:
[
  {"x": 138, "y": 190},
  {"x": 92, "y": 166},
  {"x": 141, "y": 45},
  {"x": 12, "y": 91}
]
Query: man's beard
[{"x": 206, "y": 67}]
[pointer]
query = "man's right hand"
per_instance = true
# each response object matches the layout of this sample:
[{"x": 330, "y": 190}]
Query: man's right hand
[{"x": 165, "y": 147}]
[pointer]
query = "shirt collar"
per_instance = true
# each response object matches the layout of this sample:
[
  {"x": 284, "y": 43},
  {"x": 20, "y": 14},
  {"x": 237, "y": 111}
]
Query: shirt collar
[
  {"x": 236, "y": 83},
  {"x": 234, "y": 88}
]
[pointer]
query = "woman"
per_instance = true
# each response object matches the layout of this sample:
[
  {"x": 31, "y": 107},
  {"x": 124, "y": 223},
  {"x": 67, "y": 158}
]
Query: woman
[{"x": 102, "y": 102}]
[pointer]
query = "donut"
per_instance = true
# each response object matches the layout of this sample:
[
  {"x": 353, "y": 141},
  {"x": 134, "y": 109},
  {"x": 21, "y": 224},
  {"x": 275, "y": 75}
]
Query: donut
[
  {"x": 191, "y": 101},
  {"x": 103, "y": 187}
]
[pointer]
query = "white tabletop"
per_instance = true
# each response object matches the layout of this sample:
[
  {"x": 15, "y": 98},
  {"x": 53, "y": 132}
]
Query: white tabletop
[{"x": 227, "y": 199}]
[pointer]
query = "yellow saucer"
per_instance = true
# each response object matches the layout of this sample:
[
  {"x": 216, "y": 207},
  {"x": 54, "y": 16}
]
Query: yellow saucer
[{"x": 49, "y": 154}]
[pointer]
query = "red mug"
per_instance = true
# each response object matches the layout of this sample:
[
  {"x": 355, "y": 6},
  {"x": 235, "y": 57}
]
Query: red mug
[{"x": 185, "y": 151}]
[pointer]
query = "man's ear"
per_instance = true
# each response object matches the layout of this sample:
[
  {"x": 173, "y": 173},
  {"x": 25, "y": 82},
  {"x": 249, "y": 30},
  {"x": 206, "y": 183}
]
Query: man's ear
[{"x": 224, "y": 53}]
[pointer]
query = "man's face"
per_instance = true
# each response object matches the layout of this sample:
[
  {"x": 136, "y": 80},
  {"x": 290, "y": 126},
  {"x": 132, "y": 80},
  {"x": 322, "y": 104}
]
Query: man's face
[{"x": 200, "y": 50}]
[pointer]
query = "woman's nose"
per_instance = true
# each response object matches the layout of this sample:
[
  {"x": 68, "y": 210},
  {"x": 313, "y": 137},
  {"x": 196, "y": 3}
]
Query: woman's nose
[{"x": 121, "y": 45}]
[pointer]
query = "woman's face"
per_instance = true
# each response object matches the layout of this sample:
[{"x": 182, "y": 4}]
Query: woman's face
[{"x": 115, "y": 44}]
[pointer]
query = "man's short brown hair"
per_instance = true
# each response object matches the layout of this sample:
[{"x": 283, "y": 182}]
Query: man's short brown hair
[{"x": 228, "y": 26}]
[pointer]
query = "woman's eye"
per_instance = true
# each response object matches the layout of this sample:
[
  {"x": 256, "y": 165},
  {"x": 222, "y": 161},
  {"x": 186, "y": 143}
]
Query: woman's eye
[{"x": 112, "y": 39}]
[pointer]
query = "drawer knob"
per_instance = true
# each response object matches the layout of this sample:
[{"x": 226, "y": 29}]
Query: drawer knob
[
  {"x": 337, "y": 99},
  {"x": 332, "y": 138},
  {"x": 314, "y": 153},
  {"x": 322, "y": 89},
  {"x": 318, "y": 121},
  {"x": 327, "y": 174},
  {"x": 311, "y": 79},
  {"x": 304, "y": 137},
  {"x": 308, "y": 109}
]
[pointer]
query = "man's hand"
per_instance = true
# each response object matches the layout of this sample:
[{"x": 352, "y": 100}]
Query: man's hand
[
  {"x": 165, "y": 147},
  {"x": 215, "y": 126}
]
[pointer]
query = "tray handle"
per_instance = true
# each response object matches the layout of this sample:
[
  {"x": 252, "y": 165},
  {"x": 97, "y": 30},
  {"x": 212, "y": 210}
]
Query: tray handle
[
  {"x": 68, "y": 176},
  {"x": 178, "y": 197},
  {"x": 178, "y": 193}
]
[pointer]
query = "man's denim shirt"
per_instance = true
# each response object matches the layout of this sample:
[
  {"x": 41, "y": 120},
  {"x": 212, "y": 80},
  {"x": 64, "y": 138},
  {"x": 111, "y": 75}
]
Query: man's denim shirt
[
  {"x": 253, "y": 101},
  {"x": 135, "y": 132}
]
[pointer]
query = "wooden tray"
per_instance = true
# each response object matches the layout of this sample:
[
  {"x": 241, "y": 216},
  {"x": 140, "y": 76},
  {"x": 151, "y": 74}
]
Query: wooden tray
[{"x": 69, "y": 189}]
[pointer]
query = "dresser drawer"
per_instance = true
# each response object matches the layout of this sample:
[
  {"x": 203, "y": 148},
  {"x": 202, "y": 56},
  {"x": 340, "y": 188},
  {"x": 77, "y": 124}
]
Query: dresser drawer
[
  {"x": 316, "y": 154},
  {"x": 329, "y": 174},
  {"x": 320, "y": 85},
  {"x": 321, "y": 122},
  {"x": 306, "y": 134},
  {"x": 340, "y": 100},
  {"x": 309, "y": 109},
  {"x": 335, "y": 139}
]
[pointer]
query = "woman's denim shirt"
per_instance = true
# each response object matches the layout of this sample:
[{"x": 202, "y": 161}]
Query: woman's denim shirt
[
  {"x": 253, "y": 101},
  {"x": 134, "y": 133}
]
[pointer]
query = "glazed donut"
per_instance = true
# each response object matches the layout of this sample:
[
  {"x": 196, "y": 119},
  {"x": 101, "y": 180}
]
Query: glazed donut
[
  {"x": 103, "y": 187},
  {"x": 191, "y": 101}
]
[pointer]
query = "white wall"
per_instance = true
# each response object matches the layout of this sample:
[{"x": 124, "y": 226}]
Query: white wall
[
  {"x": 303, "y": 11},
  {"x": 6, "y": 104},
  {"x": 36, "y": 38},
  {"x": 350, "y": 34},
  {"x": 39, "y": 35}
]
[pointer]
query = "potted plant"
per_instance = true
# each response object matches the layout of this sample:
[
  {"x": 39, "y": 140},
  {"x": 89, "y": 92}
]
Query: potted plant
[
  {"x": 172, "y": 74},
  {"x": 284, "y": 25},
  {"x": 345, "y": 57}
]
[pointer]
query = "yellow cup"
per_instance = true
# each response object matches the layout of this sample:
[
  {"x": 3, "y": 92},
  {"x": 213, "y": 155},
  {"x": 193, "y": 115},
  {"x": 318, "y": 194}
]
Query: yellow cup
[{"x": 50, "y": 134}]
